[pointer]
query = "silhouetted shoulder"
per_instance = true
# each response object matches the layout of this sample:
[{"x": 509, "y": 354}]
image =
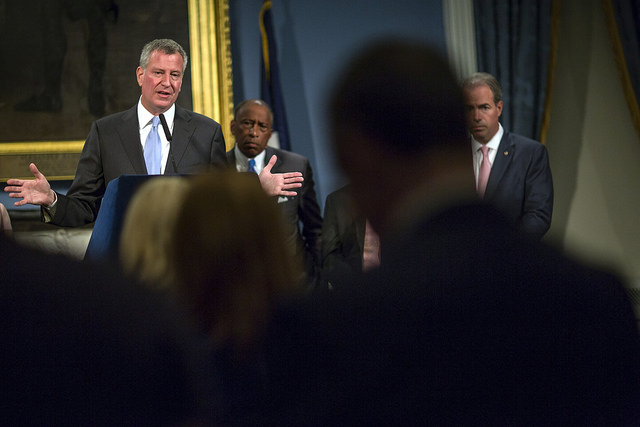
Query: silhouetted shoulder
[{"x": 89, "y": 348}]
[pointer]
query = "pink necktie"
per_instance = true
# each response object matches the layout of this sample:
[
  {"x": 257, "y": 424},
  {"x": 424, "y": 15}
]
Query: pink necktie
[
  {"x": 371, "y": 253},
  {"x": 483, "y": 174}
]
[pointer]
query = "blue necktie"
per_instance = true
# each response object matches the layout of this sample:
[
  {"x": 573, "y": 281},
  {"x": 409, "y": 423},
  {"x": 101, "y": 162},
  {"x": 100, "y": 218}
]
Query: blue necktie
[
  {"x": 252, "y": 165},
  {"x": 153, "y": 149}
]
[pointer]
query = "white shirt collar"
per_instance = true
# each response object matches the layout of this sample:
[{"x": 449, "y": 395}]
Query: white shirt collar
[
  {"x": 493, "y": 143},
  {"x": 144, "y": 122},
  {"x": 242, "y": 161},
  {"x": 145, "y": 117}
]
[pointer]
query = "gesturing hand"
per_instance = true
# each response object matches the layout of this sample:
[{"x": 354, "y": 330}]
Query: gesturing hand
[
  {"x": 279, "y": 184},
  {"x": 32, "y": 191}
]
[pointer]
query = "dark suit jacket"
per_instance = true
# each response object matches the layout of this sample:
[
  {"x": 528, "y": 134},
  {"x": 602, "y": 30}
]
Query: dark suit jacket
[
  {"x": 83, "y": 346},
  {"x": 301, "y": 210},
  {"x": 466, "y": 322},
  {"x": 113, "y": 148},
  {"x": 343, "y": 231},
  {"x": 520, "y": 184}
]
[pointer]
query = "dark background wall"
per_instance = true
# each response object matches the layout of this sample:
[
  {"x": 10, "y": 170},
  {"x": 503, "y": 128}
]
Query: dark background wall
[{"x": 314, "y": 39}]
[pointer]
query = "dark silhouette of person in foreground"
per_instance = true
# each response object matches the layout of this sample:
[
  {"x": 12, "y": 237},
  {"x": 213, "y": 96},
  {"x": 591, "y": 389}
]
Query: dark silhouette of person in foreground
[
  {"x": 83, "y": 346},
  {"x": 467, "y": 321}
]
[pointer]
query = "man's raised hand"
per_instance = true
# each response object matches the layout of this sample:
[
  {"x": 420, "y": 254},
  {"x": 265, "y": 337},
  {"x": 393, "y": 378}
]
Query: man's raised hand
[
  {"x": 32, "y": 191},
  {"x": 279, "y": 184}
]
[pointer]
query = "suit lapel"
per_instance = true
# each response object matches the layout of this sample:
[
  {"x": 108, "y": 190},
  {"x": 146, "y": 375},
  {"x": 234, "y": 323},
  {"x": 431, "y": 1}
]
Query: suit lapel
[
  {"x": 182, "y": 131},
  {"x": 268, "y": 152},
  {"x": 129, "y": 132},
  {"x": 500, "y": 164}
]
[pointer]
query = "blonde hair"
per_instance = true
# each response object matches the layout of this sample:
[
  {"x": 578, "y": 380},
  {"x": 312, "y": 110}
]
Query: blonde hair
[
  {"x": 146, "y": 235},
  {"x": 230, "y": 256}
]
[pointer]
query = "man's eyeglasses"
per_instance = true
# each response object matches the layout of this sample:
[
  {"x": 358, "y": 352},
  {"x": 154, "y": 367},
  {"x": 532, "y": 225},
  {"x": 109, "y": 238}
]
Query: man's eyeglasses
[{"x": 249, "y": 124}]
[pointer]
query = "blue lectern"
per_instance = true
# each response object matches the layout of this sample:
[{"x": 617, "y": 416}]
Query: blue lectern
[{"x": 105, "y": 238}]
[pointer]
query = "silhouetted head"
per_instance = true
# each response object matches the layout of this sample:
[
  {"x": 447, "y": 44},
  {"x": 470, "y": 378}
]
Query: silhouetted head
[{"x": 397, "y": 119}]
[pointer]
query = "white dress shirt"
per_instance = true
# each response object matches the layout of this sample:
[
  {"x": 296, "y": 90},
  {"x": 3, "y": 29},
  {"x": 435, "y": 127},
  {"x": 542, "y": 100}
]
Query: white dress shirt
[
  {"x": 144, "y": 121},
  {"x": 242, "y": 161}
]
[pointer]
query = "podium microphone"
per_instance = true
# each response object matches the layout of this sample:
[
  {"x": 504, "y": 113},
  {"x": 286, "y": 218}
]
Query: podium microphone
[{"x": 167, "y": 133}]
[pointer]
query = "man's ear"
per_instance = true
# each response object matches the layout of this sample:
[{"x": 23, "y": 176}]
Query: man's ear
[
  {"x": 499, "y": 107},
  {"x": 139, "y": 74}
]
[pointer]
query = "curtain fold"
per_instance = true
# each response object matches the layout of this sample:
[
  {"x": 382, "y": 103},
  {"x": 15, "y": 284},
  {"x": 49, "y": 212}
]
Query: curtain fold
[
  {"x": 623, "y": 22},
  {"x": 270, "y": 87},
  {"x": 516, "y": 41}
]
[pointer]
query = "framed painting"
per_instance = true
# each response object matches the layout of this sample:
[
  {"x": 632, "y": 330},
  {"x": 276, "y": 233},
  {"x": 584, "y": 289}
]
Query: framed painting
[{"x": 71, "y": 62}]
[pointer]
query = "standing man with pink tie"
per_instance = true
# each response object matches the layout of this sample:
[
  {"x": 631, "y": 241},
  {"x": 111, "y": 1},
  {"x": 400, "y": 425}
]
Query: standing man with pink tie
[{"x": 512, "y": 171}]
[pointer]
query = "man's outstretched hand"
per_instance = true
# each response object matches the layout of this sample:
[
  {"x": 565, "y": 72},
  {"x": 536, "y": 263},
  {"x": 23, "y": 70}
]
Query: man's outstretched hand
[
  {"x": 32, "y": 191},
  {"x": 279, "y": 184}
]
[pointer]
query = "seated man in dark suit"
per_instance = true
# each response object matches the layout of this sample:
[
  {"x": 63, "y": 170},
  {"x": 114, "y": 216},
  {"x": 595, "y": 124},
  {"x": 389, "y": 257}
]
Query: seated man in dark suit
[
  {"x": 466, "y": 321},
  {"x": 122, "y": 143},
  {"x": 515, "y": 176}
]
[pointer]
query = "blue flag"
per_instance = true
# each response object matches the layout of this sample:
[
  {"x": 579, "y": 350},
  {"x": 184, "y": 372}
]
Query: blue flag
[{"x": 270, "y": 74}]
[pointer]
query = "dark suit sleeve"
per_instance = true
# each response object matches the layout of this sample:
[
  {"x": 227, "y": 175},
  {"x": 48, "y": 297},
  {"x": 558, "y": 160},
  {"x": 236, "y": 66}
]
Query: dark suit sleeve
[
  {"x": 218, "y": 148},
  {"x": 538, "y": 203},
  {"x": 87, "y": 188},
  {"x": 311, "y": 219},
  {"x": 341, "y": 251}
]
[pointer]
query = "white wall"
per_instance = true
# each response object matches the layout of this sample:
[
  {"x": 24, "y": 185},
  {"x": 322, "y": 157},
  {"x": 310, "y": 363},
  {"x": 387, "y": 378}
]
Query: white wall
[{"x": 593, "y": 146}]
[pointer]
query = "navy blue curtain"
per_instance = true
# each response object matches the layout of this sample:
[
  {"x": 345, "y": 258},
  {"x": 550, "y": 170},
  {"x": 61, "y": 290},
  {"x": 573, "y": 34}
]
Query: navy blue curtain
[
  {"x": 271, "y": 91},
  {"x": 623, "y": 20},
  {"x": 515, "y": 44}
]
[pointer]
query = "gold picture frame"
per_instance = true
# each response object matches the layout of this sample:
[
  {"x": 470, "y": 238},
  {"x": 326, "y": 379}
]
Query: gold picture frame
[{"x": 211, "y": 93}]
